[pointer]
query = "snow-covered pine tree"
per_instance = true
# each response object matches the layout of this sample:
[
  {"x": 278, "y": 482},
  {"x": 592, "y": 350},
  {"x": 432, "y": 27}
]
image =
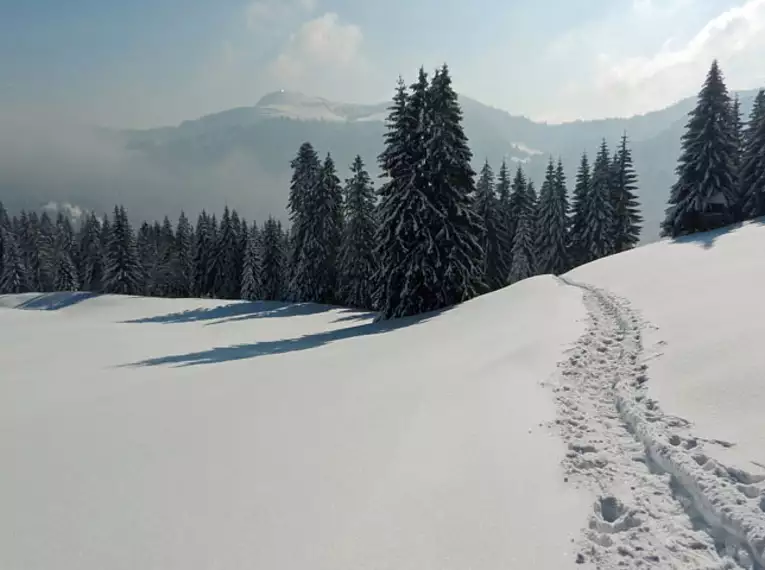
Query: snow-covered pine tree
[
  {"x": 523, "y": 263},
  {"x": 705, "y": 193},
  {"x": 624, "y": 201},
  {"x": 203, "y": 255},
  {"x": 251, "y": 277},
  {"x": 459, "y": 256},
  {"x": 5, "y": 224},
  {"x": 46, "y": 247},
  {"x": 148, "y": 258},
  {"x": 737, "y": 125},
  {"x": 13, "y": 277},
  {"x": 394, "y": 239},
  {"x": 358, "y": 262},
  {"x": 578, "y": 221},
  {"x": 517, "y": 199},
  {"x": 124, "y": 274},
  {"x": 306, "y": 172},
  {"x": 316, "y": 276},
  {"x": 182, "y": 272},
  {"x": 504, "y": 218},
  {"x": 272, "y": 261},
  {"x": 166, "y": 255},
  {"x": 65, "y": 272},
  {"x": 242, "y": 234},
  {"x": 597, "y": 235},
  {"x": 494, "y": 241},
  {"x": 552, "y": 236},
  {"x": 226, "y": 280},
  {"x": 91, "y": 255},
  {"x": 753, "y": 162},
  {"x": 29, "y": 243}
]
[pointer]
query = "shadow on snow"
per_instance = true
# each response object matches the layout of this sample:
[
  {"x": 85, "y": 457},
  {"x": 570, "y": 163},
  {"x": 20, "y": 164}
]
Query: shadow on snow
[
  {"x": 237, "y": 311},
  {"x": 55, "y": 301},
  {"x": 265, "y": 348},
  {"x": 707, "y": 239}
]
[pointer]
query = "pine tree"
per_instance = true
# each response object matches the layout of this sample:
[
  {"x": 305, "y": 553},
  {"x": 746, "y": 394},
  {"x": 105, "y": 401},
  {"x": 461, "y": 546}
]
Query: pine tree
[
  {"x": 582, "y": 188},
  {"x": 495, "y": 241},
  {"x": 505, "y": 223},
  {"x": 250, "y": 289},
  {"x": 705, "y": 194},
  {"x": 148, "y": 258},
  {"x": 597, "y": 235},
  {"x": 552, "y": 236},
  {"x": 627, "y": 218},
  {"x": 315, "y": 276},
  {"x": 753, "y": 162},
  {"x": 91, "y": 255},
  {"x": 272, "y": 261},
  {"x": 358, "y": 262},
  {"x": 5, "y": 224},
  {"x": 517, "y": 201},
  {"x": 65, "y": 272},
  {"x": 226, "y": 280},
  {"x": 523, "y": 202},
  {"x": 182, "y": 271},
  {"x": 123, "y": 271},
  {"x": 203, "y": 255},
  {"x": 13, "y": 277},
  {"x": 738, "y": 136},
  {"x": 452, "y": 188},
  {"x": 306, "y": 174},
  {"x": 46, "y": 249}
]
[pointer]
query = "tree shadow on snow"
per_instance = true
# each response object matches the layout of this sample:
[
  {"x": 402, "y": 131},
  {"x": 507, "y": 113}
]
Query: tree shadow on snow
[
  {"x": 706, "y": 239},
  {"x": 266, "y": 348},
  {"x": 233, "y": 312},
  {"x": 55, "y": 301}
]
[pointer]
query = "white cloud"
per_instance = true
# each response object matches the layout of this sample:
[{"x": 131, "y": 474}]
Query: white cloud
[
  {"x": 625, "y": 84},
  {"x": 263, "y": 13},
  {"x": 324, "y": 55}
]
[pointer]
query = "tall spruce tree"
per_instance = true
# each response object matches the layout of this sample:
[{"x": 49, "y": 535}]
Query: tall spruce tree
[
  {"x": 226, "y": 279},
  {"x": 148, "y": 258},
  {"x": 505, "y": 217},
  {"x": 315, "y": 277},
  {"x": 358, "y": 262},
  {"x": 182, "y": 272},
  {"x": 523, "y": 201},
  {"x": 306, "y": 174},
  {"x": 46, "y": 249},
  {"x": 460, "y": 258},
  {"x": 91, "y": 255},
  {"x": 65, "y": 272},
  {"x": 13, "y": 277},
  {"x": 705, "y": 195},
  {"x": 753, "y": 162},
  {"x": 597, "y": 235},
  {"x": 272, "y": 261},
  {"x": 552, "y": 236},
  {"x": 627, "y": 217},
  {"x": 251, "y": 279},
  {"x": 495, "y": 241},
  {"x": 578, "y": 222},
  {"x": 124, "y": 273},
  {"x": 204, "y": 250}
]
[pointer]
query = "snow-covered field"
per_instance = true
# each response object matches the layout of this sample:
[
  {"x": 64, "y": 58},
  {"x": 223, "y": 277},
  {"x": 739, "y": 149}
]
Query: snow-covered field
[{"x": 613, "y": 418}]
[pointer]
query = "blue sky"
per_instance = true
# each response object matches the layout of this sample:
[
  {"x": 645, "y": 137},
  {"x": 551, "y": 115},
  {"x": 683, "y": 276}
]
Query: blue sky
[{"x": 151, "y": 62}]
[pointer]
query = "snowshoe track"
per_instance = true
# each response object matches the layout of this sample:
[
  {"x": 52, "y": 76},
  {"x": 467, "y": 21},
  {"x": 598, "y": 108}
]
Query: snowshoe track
[{"x": 662, "y": 502}]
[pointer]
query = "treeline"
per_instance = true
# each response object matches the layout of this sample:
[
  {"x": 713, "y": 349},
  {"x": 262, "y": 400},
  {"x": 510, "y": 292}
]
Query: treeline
[
  {"x": 721, "y": 169},
  {"x": 226, "y": 259},
  {"x": 429, "y": 237}
]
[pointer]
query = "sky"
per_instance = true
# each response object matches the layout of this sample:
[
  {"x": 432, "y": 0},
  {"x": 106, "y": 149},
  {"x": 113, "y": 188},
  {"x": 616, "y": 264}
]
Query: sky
[{"x": 158, "y": 62}]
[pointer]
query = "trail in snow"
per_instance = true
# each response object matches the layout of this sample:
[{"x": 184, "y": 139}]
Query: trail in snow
[{"x": 662, "y": 502}]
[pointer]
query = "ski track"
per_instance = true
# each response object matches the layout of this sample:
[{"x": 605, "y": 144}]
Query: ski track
[{"x": 662, "y": 502}]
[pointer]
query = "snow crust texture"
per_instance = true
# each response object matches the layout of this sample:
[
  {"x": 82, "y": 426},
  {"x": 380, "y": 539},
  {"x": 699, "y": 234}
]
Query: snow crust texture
[{"x": 662, "y": 501}]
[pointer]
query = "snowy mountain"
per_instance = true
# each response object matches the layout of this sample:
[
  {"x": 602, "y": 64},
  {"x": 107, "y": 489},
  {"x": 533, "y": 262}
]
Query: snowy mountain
[
  {"x": 611, "y": 418},
  {"x": 241, "y": 156}
]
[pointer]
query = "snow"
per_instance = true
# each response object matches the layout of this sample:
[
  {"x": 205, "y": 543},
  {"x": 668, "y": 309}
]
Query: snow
[
  {"x": 155, "y": 433},
  {"x": 703, "y": 295}
]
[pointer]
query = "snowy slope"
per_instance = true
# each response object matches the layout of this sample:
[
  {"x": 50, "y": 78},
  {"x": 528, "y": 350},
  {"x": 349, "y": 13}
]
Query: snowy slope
[
  {"x": 155, "y": 433},
  {"x": 162, "y": 434}
]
